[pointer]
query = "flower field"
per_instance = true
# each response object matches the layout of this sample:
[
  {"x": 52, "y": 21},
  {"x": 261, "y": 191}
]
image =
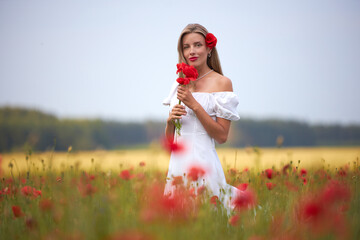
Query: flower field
[{"x": 285, "y": 194}]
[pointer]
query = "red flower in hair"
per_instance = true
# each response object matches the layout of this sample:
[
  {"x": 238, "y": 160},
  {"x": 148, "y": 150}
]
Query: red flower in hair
[{"x": 210, "y": 40}]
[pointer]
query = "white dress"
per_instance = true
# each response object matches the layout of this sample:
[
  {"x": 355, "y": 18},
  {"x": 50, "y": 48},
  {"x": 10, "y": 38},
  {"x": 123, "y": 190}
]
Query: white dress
[{"x": 200, "y": 147}]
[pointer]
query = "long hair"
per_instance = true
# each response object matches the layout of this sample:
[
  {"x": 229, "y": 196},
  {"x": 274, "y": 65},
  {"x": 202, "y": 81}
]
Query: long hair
[{"x": 213, "y": 61}]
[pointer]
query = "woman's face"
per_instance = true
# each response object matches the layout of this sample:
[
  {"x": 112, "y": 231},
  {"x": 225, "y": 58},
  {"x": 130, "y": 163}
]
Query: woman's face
[{"x": 194, "y": 49}]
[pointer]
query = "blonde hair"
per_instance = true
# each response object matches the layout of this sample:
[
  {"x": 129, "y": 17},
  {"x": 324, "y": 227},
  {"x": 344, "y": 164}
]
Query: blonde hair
[{"x": 213, "y": 61}]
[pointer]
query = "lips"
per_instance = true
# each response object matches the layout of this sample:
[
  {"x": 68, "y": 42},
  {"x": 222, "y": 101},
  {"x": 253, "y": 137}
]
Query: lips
[{"x": 193, "y": 58}]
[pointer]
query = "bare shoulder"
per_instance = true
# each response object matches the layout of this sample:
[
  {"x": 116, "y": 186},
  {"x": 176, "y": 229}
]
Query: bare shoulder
[{"x": 224, "y": 84}]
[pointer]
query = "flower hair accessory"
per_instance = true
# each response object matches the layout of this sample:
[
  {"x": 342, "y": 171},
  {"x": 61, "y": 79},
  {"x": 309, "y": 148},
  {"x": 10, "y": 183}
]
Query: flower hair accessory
[{"x": 210, "y": 40}]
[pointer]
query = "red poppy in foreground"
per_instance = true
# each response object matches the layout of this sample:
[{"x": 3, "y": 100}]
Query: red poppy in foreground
[
  {"x": 242, "y": 186},
  {"x": 177, "y": 180},
  {"x": 303, "y": 172},
  {"x": 30, "y": 192},
  {"x": 46, "y": 204},
  {"x": 270, "y": 185},
  {"x": 125, "y": 174},
  {"x": 214, "y": 200},
  {"x": 244, "y": 200},
  {"x": 87, "y": 189},
  {"x": 17, "y": 211},
  {"x": 269, "y": 173},
  {"x": 233, "y": 221},
  {"x": 195, "y": 172},
  {"x": 172, "y": 146},
  {"x": 178, "y": 206}
]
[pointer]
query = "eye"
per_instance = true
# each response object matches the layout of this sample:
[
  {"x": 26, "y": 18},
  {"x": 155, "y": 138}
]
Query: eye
[
  {"x": 185, "y": 47},
  {"x": 198, "y": 44}
]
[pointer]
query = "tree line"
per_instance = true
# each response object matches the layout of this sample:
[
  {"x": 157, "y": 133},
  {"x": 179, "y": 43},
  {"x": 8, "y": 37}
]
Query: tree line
[{"x": 20, "y": 127}]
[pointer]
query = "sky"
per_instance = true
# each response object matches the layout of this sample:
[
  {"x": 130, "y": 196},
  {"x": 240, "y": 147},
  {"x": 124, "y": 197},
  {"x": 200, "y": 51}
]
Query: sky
[{"x": 116, "y": 60}]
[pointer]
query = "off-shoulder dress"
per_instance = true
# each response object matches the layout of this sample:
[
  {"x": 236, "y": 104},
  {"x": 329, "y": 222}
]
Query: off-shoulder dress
[{"x": 199, "y": 147}]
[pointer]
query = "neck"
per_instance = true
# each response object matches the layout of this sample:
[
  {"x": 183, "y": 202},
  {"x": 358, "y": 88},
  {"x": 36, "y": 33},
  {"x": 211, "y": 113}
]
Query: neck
[{"x": 202, "y": 70}]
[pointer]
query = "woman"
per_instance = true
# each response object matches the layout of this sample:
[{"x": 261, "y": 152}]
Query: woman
[{"x": 209, "y": 107}]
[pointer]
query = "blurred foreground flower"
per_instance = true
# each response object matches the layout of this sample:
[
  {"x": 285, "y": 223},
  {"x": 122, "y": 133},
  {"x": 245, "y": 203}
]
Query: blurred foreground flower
[
  {"x": 30, "y": 192},
  {"x": 171, "y": 146},
  {"x": 125, "y": 174},
  {"x": 269, "y": 173},
  {"x": 270, "y": 185},
  {"x": 244, "y": 200},
  {"x": 177, "y": 207},
  {"x": 242, "y": 186},
  {"x": 17, "y": 211},
  {"x": 195, "y": 172},
  {"x": 323, "y": 213}
]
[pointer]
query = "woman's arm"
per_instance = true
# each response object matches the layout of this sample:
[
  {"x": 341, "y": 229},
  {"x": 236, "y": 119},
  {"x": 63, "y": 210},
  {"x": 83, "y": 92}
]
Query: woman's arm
[{"x": 218, "y": 129}]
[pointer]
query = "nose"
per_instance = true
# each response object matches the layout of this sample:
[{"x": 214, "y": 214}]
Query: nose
[{"x": 192, "y": 50}]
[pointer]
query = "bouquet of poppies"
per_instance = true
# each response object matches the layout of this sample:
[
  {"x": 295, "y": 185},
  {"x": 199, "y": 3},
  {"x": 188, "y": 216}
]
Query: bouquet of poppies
[{"x": 189, "y": 74}]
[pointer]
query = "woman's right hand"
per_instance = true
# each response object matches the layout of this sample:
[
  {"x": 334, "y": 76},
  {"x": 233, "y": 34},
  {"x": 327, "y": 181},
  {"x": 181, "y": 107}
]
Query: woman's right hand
[{"x": 176, "y": 113}]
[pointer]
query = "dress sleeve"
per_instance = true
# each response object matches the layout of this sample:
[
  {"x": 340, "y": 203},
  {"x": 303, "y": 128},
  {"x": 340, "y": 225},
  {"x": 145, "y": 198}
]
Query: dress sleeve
[
  {"x": 168, "y": 99},
  {"x": 225, "y": 105}
]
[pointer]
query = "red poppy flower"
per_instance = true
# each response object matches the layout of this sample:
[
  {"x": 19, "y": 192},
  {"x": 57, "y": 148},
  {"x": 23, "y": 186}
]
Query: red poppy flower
[
  {"x": 291, "y": 187},
  {"x": 17, "y": 211},
  {"x": 233, "y": 221},
  {"x": 190, "y": 72},
  {"x": 183, "y": 81},
  {"x": 303, "y": 172},
  {"x": 242, "y": 186},
  {"x": 232, "y": 171},
  {"x": 26, "y": 191},
  {"x": 45, "y": 204},
  {"x": 195, "y": 172},
  {"x": 87, "y": 189},
  {"x": 270, "y": 185},
  {"x": 125, "y": 174},
  {"x": 142, "y": 164},
  {"x": 214, "y": 200},
  {"x": 244, "y": 200},
  {"x": 335, "y": 192},
  {"x": 30, "y": 192},
  {"x": 180, "y": 67},
  {"x": 172, "y": 146},
  {"x": 177, "y": 180},
  {"x": 304, "y": 180},
  {"x": 312, "y": 209},
  {"x": 285, "y": 169},
  {"x": 201, "y": 190},
  {"x": 341, "y": 173},
  {"x": 269, "y": 173},
  {"x": 210, "y": 40}
]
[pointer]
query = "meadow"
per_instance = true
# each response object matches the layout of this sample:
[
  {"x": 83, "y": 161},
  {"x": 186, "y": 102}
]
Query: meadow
[{"x": 287, "y": 193}]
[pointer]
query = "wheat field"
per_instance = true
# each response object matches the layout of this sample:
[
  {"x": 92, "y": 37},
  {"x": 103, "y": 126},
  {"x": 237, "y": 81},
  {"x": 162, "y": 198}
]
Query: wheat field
[{"x": 156, "y": 158}]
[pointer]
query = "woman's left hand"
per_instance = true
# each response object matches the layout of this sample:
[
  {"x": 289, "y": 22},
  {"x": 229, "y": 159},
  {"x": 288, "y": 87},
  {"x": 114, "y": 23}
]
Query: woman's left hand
[{"x": 185, "y": 96}]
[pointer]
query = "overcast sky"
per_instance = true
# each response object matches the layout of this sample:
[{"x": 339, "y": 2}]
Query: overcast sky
[{"x": 116, "y": 60}]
